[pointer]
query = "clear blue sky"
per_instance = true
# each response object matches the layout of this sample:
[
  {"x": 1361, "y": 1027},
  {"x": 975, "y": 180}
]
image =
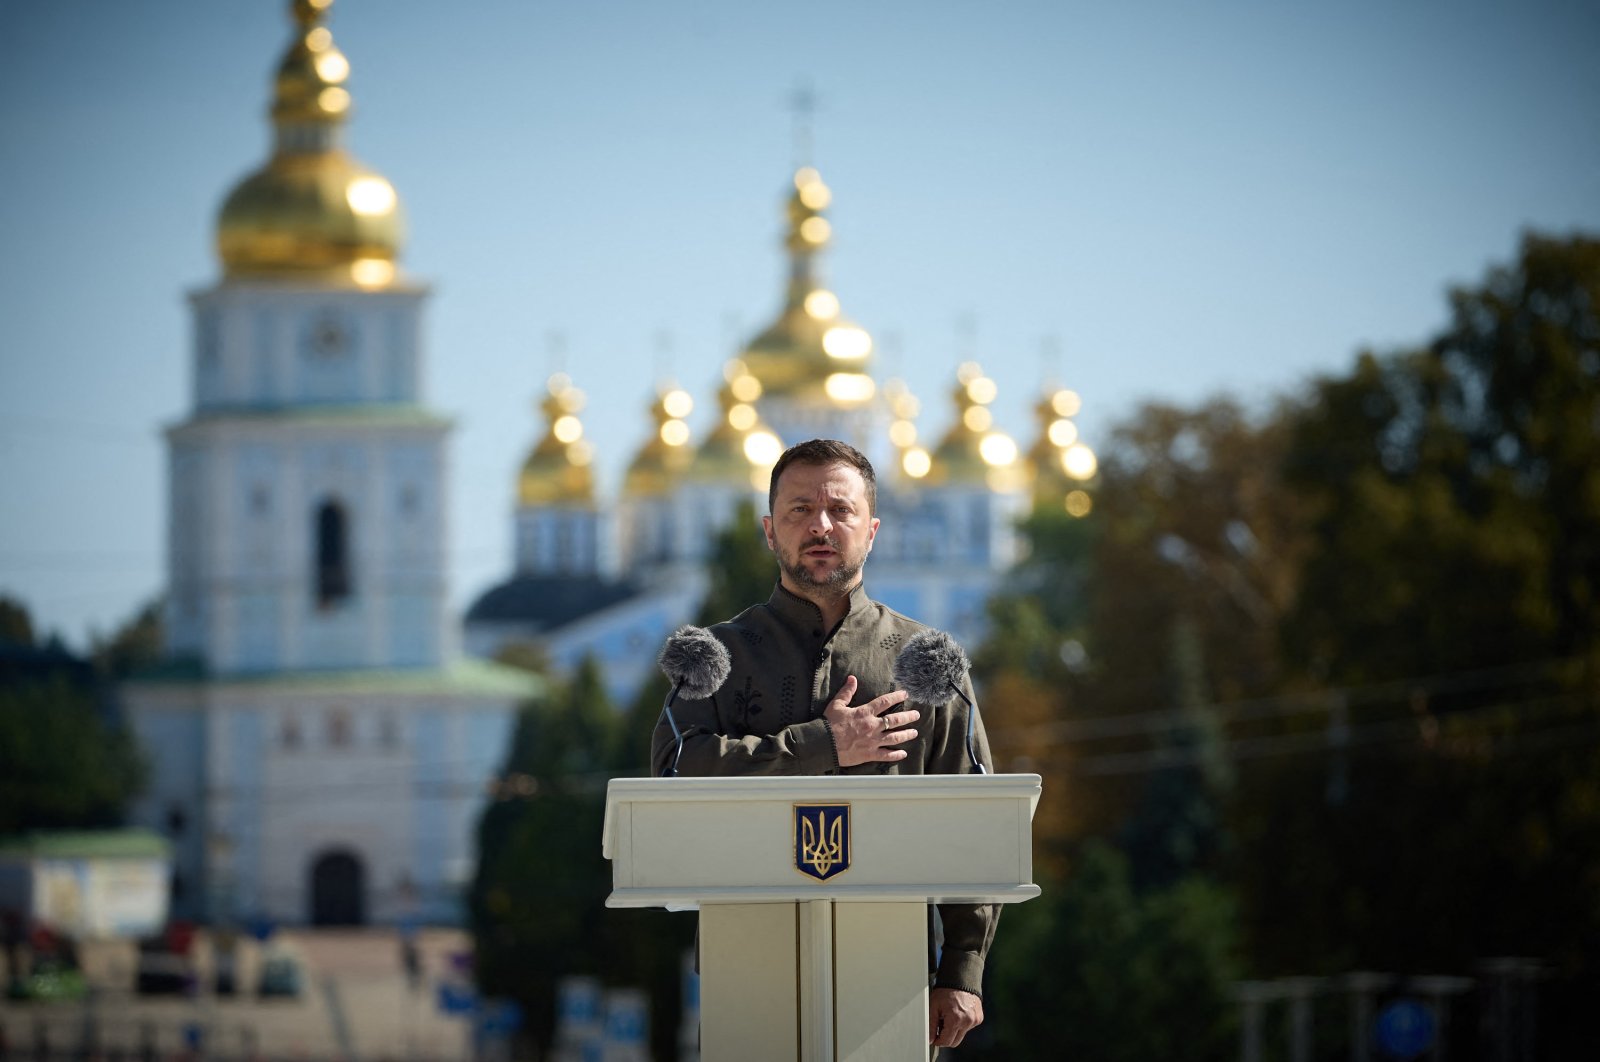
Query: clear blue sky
[{"x": 1188, "y": 197}]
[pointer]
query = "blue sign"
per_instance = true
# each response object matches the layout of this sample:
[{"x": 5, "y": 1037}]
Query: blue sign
[
  {"x": 821, "y": 839},
  {"x": 457, "y": 997},
  {"x": 1404, "y": 1029}
]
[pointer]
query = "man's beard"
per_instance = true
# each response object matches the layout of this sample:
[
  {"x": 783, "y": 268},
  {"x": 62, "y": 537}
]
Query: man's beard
[{"x": 832, "y": 584}]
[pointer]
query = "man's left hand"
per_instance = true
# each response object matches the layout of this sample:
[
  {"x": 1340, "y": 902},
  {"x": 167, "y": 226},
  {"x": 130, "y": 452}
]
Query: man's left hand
[{"x": 952, "y": 1014}]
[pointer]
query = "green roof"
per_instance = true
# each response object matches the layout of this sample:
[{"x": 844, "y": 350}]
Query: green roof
[{"x": 86, "y": 844}]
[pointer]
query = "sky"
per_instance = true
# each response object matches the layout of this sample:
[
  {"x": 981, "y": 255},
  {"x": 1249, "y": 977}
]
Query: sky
[{"x": 1147, "y": 201}]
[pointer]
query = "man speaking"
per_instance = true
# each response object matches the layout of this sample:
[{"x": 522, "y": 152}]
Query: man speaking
[{"x": 811, "y": 690}]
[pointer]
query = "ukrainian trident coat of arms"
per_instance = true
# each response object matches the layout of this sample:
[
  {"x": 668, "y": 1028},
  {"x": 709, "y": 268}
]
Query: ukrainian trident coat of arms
[{"x": 821, "y": 839}]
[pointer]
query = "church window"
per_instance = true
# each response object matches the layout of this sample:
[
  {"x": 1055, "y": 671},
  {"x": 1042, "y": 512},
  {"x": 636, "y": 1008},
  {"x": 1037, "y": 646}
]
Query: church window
[
  {"x": 408, "y": 500},
  {"x": 260, "y": 500},
  {"x": 333, "y": 582},
  {"x": 389, "y": 731},
  {"x": 289, "y": 735}
]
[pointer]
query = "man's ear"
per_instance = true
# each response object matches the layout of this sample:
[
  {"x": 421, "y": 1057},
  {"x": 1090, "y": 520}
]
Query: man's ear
[
  {"x": 766, "y": 527},
  {"x": 872, "y": 533}
]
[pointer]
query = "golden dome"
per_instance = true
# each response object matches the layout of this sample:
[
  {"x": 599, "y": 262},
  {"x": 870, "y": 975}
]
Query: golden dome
[
  {"x": 662, "y": 460},
  {"x": 972, "y": 451},
  {"x": 312, "y": 212},
  {"x": 557, "y": 471},
  {"x": 740, "y": 449},
  {"x": 1059, "y": 463},
  {"x": 913, "y": 459},
  {"x": 811, "y": 350}
]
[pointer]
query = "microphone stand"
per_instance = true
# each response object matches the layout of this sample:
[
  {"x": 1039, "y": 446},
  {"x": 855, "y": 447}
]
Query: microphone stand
[
  {"x": 972, "y": 717},
  {"x": 672, "y": 772}
]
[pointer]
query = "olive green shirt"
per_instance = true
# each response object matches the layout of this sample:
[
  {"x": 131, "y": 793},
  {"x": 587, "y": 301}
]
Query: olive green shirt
[{"x": 767, "y": 719}]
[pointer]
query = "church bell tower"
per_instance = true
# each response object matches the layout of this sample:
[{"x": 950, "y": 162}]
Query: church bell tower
[{"x": 307, "y": 484}]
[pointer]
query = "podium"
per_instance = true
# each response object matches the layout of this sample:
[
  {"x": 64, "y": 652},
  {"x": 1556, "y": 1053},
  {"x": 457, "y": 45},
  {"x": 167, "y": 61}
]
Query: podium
[{"x": 813, "y": 895}]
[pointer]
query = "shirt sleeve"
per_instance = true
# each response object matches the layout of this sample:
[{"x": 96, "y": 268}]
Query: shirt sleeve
[
  {"x": 708, "y": 750},
  {"x": 968, "y": 932},
  {"x": 968, "y": 928}
]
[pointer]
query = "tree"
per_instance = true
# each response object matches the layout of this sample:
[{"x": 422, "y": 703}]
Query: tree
[
  {"x": 1096, "y": 969},
  {"x": 742, "y": 571},
  {"x": 135, "y": 645},
  {"x": 537, "y": 903},
  {"x": 65, "y": 761},
  {"x": 1122, "y": 630},
  {"x": 1449, "y": 611},
  {"x": 537, "y": 900},
  {"x": 16, "y": 625}
]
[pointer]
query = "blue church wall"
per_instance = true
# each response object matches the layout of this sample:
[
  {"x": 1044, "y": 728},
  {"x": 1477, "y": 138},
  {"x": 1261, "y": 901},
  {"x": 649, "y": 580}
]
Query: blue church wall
[
  {"x": 326, "y": 374},
  {"x": 398, "y": 359},
  {"x": 258, "y": 621},
  {"x": 904, "y": 599},
  {"x": 174, "y": 742},
  {"x": 265, "y": 390},
  {"x": 413, "y": 632},
  {"x": 246, "y": 741},
  {"x": 430, "y": 814}
]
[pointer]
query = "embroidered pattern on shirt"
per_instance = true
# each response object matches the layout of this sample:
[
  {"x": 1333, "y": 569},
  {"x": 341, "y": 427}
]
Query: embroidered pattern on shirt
[
  {"x": 889, "y": 641},
  {"x": 750, "y": 637},
  {"x": 786, "y": 701},
  {"x": 747, "y": 700}
]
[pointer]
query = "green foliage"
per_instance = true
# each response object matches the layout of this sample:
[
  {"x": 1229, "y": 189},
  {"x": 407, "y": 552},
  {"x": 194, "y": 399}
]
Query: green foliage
[
  {"x": 1453, "y": 493},
  {"x": 1344, "y": 657},
  {"x": 537, "y": 904},
  {"x": 1095, "y": 969},
  {"x": 742, "y": 572},
  {"x": 64, "y": 762},
  {"x": 135, "y": 645},
  {"x": 16, "y": 625},
  {"x": 61, "y": 765}
]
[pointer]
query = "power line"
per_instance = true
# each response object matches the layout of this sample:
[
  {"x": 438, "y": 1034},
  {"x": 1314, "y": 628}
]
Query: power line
[
  {"x": 1159, "y": 720},
  {"x": 1379, "y": 734}
]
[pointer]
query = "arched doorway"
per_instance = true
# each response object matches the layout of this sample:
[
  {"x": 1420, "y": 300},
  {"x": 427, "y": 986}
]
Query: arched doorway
[{"x": 338, "y": 890}]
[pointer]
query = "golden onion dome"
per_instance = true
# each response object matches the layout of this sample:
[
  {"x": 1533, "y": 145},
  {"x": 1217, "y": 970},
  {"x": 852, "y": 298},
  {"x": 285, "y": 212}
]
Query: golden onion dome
[
  {"x": 557, "y": 470},
  {"x": 660, "y": 463},
  {"x": 312, "y": 212},
  {"x": 1059, "y": 463},
  {"x": 811, "y": 350},
  {"x": 913, "y": 459},
  {"x": 972, "y": 451},
  {"x": 740, "y": 449}
]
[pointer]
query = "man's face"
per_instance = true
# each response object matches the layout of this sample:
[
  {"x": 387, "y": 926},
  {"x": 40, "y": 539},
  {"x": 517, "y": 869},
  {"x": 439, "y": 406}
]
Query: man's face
[{"x": 820, "y": 528}]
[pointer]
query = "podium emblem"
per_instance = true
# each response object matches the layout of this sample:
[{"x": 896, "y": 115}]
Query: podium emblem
[{"x": 821, "y": 839}]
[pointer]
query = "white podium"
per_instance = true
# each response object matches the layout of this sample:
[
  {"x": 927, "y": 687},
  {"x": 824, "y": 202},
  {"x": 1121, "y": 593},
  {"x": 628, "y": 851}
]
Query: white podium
[{"x": 813, "y": 896}]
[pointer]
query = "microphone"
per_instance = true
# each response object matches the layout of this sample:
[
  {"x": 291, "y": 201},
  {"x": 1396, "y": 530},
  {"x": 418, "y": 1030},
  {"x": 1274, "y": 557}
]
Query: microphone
[
  {"x": 930, "y": 668},
  {"x": 697, "y": 665}
]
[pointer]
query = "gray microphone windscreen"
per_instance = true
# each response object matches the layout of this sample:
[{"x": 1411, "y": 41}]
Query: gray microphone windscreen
[
  {"x": 695, "y": 662},
  {"x": 931, "y": 667}
]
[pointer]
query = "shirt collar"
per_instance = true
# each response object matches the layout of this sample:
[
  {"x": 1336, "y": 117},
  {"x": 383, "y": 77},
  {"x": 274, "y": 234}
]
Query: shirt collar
[{"x": 797, "y": 612}]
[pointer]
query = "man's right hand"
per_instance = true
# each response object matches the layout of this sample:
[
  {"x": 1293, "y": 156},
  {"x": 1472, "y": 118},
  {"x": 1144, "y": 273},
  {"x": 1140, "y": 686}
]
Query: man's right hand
[{"x": 869, "y": 732}]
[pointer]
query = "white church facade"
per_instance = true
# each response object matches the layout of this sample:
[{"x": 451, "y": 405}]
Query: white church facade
[{"x": 320, "y": 748}]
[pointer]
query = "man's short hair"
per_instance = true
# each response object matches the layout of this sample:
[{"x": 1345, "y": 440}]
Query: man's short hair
[{"x": 825, "y": 452}]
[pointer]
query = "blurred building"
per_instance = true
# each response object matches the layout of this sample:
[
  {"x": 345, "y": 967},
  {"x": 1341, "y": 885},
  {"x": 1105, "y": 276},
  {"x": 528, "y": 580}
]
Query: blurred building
[
  {"x": 320, "y": 748},
  {"x": 611, "y": 577}
]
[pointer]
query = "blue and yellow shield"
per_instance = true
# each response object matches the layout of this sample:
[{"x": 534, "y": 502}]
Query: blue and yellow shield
[{"x": 821, "y": 839}]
